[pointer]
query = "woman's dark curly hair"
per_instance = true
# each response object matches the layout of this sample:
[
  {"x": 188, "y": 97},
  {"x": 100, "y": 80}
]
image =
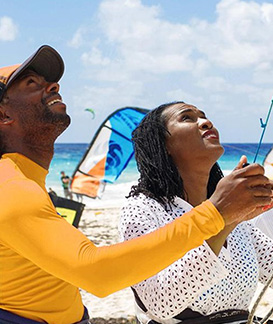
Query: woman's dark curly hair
[{"x": 159, "y": 176}]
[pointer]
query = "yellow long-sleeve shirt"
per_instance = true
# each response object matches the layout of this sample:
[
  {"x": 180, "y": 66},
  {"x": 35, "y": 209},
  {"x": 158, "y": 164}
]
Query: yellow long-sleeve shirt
[{"x": 43, "y": 259}]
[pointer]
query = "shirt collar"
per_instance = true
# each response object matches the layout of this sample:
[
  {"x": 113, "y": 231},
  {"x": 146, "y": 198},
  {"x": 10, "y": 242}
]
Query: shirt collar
[{"x": 29, "y": 168}]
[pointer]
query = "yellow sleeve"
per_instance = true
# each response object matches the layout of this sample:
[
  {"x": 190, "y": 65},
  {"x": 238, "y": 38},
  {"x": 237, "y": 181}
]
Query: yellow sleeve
[{"x": 31, "y": 227}]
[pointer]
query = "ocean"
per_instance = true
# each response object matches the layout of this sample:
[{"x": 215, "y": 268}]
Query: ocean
[{"x": 67, "y": 157}]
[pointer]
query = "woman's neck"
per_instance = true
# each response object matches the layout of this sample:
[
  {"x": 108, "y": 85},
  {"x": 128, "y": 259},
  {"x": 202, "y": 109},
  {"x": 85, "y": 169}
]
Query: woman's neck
[{"x": 195, "y": 185}]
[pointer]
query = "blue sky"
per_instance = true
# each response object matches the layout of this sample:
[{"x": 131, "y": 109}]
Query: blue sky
[{"x": 216, "y": 55}]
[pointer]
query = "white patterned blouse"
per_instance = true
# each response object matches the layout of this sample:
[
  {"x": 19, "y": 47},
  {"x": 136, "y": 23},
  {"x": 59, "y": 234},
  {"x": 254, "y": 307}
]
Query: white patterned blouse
[{"x": 201, "y": 281}]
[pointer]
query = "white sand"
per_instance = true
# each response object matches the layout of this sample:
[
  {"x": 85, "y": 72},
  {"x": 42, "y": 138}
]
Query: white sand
[{"x": 100, "y": 226}]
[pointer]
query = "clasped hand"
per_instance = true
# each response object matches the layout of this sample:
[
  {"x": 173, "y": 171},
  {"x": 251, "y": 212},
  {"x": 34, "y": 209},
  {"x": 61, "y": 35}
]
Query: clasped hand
[{"x": 243, "y": 194}]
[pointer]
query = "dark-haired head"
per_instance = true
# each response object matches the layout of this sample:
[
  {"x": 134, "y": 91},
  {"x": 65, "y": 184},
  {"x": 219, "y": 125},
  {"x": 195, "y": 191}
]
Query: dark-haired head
[{"x": 159, "y": 175}]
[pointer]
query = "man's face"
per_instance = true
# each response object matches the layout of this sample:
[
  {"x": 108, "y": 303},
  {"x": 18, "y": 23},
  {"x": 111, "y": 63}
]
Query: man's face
[{"x": 37, "y": 106}]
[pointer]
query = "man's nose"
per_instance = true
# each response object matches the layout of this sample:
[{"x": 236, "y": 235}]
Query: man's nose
[{"x": 53, "y": 87}]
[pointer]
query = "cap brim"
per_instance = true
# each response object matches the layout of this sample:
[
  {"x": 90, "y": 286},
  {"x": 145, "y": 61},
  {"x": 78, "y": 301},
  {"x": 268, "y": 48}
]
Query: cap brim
[{"x": 46, "y": 61}]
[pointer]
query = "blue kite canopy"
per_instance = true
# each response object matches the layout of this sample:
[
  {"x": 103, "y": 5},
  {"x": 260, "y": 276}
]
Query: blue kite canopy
[{"x": 109, "y": 152}]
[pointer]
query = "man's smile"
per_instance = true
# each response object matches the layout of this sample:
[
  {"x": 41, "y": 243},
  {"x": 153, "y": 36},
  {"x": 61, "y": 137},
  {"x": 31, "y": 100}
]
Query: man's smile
[{"x": 54, "y": 101}]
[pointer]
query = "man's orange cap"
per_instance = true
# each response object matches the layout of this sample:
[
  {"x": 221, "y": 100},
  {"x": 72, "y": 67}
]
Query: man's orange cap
[{"x": 46, "y": 61}]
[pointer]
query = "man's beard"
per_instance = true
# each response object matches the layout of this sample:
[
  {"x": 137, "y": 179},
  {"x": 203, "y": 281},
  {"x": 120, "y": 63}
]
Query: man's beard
[
  {"x": 60, "y": 120},
  {"x": 42, "y": 124}
]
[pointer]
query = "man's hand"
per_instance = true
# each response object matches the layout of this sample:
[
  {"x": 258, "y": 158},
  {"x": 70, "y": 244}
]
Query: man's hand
[{"x": 243, "y": 194}]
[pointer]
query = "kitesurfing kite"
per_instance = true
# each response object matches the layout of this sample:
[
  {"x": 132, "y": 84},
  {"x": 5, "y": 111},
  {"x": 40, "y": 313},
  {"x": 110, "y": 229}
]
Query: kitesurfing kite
[
  {"x": 109, "y": 152},
  {"x": 91, "y": 111}
]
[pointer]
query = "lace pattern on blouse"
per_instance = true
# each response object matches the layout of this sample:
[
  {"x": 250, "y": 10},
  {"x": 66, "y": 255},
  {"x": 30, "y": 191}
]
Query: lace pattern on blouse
[{"x": 200, "y": 280}]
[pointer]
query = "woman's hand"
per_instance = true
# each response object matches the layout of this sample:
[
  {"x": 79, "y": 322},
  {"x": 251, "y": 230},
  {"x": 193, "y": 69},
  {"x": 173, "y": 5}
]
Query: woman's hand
[{"x": 243, "y": 194}]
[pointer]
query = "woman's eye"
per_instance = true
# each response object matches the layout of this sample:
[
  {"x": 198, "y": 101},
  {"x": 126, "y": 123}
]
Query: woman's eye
[{"x": 185, "y": 117}]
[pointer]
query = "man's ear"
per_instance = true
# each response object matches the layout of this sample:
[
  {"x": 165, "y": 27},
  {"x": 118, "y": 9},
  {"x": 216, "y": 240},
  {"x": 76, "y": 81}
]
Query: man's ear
[{"x": 5, "y": 118}]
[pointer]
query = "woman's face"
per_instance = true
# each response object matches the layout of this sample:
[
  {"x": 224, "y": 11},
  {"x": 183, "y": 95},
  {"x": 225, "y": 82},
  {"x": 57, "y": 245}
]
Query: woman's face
[{"x": 193, "y": 139}]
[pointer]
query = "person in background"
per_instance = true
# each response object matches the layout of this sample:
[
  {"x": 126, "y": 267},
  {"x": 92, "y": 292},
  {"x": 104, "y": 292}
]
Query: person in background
[
  {"x": 176, "y": 150},
  {"x": 65, "y": 183},
  {"x": 79, "y": 197},
  {"x": 52, "y": 192},
  {"x": 44, "y": 260}
]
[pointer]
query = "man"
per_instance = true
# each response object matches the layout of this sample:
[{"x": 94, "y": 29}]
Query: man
[
  {"x": 44, "y": 259},
  {"x": 65, "y": 183}
]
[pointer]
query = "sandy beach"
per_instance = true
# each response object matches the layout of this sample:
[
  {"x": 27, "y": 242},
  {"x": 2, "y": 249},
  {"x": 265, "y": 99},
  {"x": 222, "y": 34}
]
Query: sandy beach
[{"x": 101, "y": 226}]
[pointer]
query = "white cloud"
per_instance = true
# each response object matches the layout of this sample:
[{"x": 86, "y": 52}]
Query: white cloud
[
  {"x": 179, "y": 94},
  {"x": 78, "y": 38},
  {"x": 240, "y": 37},
  {"x": 95, "y": 57},
  {"x": 8, "y": 29},
  {"x": 145, "y": 41},
  {"x": 139, "y": 58},
  {"x": 110, "y": 97},
  {"x": 216, "y": 84}
]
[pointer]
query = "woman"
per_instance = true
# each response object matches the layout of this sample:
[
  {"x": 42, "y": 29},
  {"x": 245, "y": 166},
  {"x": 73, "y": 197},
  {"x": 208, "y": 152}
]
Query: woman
[{"x": 176, "y": 149}]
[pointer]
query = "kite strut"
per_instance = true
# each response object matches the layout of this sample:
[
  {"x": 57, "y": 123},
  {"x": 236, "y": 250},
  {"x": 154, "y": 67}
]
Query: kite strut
[{"x": 263, "y": 125}]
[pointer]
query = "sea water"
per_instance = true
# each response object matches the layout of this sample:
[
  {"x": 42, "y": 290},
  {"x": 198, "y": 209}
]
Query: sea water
[{"x": 67, "y": 157}]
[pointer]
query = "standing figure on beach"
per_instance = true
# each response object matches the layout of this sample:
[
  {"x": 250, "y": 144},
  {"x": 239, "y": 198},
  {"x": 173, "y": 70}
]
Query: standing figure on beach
[
  {"x": 51, "y": 192},
  {"x": 44, "y": 260},
  {"x": 176, "y": 149},
  {"x": 65, "y": 183}
]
